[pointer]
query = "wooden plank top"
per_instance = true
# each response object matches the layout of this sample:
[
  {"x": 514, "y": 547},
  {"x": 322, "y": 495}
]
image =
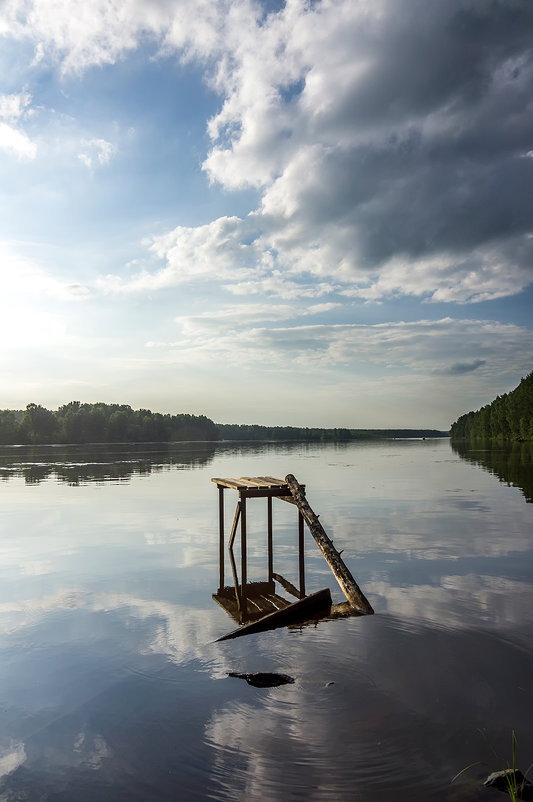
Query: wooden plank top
[{"x": 253, "y": 483}]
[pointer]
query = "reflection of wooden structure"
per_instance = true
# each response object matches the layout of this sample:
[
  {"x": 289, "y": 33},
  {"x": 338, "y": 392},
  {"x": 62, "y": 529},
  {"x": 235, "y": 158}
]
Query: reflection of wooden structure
[{"x": 250, "y": 602}]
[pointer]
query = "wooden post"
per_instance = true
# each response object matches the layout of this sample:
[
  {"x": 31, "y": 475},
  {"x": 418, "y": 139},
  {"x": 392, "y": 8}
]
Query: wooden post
[
  {"x": 243, "y": 554},
  {"x": 269, "y": 538},
  {"x": 301, "y": 553},
  {"x": 349, "y": 586},
  {"x": 221, "y": 533}
]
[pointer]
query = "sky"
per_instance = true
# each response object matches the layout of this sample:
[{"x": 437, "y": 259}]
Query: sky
[{"x": 311, "y": 212}]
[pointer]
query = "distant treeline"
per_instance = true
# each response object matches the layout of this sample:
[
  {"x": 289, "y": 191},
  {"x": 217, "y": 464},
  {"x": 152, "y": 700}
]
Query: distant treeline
[
  {"x": 508, "y": 417},
  {"x": 76, "y": 422},
  {"x": 250, "y": 432},
  {"x": 234, "y": 431},
  {"x": 360, "y": 434},
  {"x": 100, "y": 423}
]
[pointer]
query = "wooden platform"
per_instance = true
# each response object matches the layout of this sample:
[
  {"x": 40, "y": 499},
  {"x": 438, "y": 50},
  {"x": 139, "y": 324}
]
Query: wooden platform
[
  {"x": 257, "y": 487},
  {"x": 250, "y": 487},
  {"x": 251, "y": 482}
]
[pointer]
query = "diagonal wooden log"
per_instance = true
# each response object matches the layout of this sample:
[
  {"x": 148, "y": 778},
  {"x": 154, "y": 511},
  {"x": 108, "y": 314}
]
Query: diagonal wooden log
[{"x": 348, "y": 585}]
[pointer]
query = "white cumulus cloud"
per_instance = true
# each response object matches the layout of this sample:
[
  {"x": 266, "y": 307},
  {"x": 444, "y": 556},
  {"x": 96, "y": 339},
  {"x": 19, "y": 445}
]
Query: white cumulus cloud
[{"x": 386, "y": 143}]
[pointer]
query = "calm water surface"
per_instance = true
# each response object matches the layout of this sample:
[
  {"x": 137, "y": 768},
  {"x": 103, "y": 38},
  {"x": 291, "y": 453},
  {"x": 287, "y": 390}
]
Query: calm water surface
[{"x": 111, "y": 684}]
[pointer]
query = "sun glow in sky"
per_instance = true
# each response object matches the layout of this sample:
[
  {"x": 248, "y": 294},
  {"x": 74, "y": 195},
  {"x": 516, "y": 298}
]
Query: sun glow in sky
[{"x": 306, "y": 213}]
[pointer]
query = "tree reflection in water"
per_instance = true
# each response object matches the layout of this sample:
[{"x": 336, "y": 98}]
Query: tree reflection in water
[
  {"x": 99, "y": 462},
  {"x": 511, "y": 462}
]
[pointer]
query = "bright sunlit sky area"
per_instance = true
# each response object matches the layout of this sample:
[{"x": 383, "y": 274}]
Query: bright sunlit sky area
[{"x": 308, "y": 213}]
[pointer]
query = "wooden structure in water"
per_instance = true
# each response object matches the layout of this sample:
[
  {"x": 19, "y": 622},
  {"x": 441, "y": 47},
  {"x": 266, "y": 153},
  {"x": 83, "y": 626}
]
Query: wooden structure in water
[
  {"x": 257, "y": 487},
  {"x": 257, "y": 603}
]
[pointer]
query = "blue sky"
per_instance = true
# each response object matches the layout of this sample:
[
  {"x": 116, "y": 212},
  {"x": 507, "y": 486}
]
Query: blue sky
[{"x": 280, "y": 213}]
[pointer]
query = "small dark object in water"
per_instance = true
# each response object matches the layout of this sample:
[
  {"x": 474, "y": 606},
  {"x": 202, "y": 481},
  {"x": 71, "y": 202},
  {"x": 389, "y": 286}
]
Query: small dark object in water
[
  {"x": 263, "y": 680},
  {"x": 523, "y": 789}
]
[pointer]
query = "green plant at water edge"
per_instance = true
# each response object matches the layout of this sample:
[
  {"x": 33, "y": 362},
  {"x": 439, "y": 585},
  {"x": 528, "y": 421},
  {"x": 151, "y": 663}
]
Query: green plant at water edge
[{"x": 514, "y": 786}]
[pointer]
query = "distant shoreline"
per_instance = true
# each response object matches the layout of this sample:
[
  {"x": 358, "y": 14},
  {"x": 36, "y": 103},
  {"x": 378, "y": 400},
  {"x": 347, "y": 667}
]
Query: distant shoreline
[
  {"x": 369, "y": 436},
  {"x": 276, "y": 434},
  {"x": 85, "y": 423}
]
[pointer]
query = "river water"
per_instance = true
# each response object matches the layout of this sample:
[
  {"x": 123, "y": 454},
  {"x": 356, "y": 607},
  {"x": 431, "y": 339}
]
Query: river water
[{"x": 112, "y": 684}]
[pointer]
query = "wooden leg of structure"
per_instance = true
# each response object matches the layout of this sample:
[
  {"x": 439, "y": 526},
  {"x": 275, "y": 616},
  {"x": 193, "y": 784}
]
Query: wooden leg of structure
[
  {"x": 221, "y": 534},
  {"x": 301, "y": 553},
  {"x": 243, "y": 554},
  {"x": 270, "y": 541},
  {"x": 234, "y": 527}
]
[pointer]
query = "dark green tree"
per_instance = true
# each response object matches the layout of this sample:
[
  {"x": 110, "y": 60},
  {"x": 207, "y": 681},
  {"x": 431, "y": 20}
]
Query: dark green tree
[
  {"x": 509, "y": 417},
  {"x": 39, "y": 425},
  {"x": 9, "y": 427}
]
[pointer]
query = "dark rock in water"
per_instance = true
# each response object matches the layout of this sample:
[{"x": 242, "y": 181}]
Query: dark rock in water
[
  {"x": 263, "y": 680},
  {"x": 522, "y": 788}
]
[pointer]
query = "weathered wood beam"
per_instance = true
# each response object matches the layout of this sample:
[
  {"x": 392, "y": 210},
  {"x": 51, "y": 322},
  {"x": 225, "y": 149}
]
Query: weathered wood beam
[
  {"x": 288, "y": 586},
  {"x": 348, "y": 585},
  {"x": 221, "y": 534},
  {"x": 289, "y": 499},
  {"x": 270, "y": 541},
  {"x": 301, "y": 561},
  {"x": 244, "y": 563}
]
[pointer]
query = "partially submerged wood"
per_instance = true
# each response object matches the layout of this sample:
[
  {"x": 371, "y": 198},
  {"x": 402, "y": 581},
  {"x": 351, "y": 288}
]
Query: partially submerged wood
[
  {"x": 288, "y": 615},
  {"x": 260, "y": 599},
  {"x": 288, "y": 586},
  {"x": 336, "y": 611},
  {"x": 343, "y": 610},
  {"x": 256, "y": 606},
  {"x": 348, "y": 585}
]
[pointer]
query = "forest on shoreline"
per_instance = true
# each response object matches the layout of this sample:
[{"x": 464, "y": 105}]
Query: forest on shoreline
[
  {"x": 77, "y": 423},
  {"x": 99, "y": 423},
  {"x": 508, "y": 418},
  {"x": 254, "y": 432}
]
